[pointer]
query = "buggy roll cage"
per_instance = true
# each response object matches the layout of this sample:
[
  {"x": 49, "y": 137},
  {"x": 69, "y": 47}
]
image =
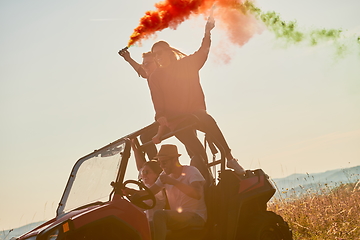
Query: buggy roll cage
[
  {"x": 125, "y": 152},
  {"x": 192, "y": 122}
]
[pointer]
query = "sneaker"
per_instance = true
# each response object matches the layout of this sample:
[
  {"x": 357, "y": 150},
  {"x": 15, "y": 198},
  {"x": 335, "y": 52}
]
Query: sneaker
[{"x": 233, "y": 164}]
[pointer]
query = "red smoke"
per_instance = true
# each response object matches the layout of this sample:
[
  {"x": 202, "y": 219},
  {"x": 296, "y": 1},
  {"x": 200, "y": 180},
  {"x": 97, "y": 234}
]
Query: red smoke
[{"x": 170, "y": 13}]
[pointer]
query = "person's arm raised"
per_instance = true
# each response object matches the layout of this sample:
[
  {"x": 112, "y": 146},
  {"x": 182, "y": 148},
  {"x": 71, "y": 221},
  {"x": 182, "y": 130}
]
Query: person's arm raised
[
  {"x": 139, "y": 156},
  {"x": 204, "y": 49},
  {"x": 206, "y": 42},
  {"x": 136, "y": 66}
]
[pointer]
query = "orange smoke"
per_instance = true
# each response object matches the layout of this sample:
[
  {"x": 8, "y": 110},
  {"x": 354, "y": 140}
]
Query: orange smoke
[{"x": 170, "y": 13}]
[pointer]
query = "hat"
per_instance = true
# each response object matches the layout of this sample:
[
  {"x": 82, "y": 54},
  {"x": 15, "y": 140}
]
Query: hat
[{"x": 168, "y": 150}]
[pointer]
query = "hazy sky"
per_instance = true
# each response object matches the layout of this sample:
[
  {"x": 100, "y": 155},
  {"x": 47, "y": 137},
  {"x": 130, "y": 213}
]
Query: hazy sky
[{"x": 64, "y": 92}]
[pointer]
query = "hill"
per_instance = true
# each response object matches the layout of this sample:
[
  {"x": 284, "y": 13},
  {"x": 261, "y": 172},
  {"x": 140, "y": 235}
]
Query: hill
[
  {"x": 298, "y": 184},
  {"x": 8, "y": 234}
]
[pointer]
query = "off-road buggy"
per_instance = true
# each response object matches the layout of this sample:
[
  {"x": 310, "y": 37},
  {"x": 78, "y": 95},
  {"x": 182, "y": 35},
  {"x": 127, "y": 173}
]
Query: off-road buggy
[{"x": 93, "y": 207}]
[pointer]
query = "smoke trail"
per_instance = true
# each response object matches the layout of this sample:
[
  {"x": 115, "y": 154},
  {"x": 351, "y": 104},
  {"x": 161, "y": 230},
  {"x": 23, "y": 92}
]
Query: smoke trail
[
  {"x": 240, "y": 18},
  {"x": 239, "y": 26},
  {"x": 170, "y": 13},
  {"x": 290, "y": 32}
]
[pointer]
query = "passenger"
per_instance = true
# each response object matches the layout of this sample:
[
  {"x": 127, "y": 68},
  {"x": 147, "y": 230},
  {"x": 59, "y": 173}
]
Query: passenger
[
  {"x": 176, "y": 90},
  {"x": 184, "y": 187}
]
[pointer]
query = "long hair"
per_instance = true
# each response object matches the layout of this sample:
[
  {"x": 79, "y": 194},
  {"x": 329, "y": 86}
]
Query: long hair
[{"x": 162, "y": 44}]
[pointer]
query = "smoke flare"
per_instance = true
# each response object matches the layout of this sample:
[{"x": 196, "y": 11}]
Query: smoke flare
[
  {"x": 170, "y": 13},
  {"x": 240, "y": 18}
]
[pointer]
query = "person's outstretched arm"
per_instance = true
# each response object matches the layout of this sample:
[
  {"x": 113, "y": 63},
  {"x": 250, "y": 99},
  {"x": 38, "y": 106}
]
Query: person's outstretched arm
[
  {"x": 136, "y": 66},
  {"x": 206, "y": 42},
  {"x": 203, "y": 52}
]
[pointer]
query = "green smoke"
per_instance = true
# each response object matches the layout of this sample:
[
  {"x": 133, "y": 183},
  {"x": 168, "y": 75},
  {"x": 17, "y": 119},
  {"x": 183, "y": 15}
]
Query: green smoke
[{"x": 292, "y": 34}]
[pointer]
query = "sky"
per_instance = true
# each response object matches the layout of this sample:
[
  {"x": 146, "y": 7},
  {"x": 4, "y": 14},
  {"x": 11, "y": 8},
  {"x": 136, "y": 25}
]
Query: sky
[{"x": 64, "y": 92}]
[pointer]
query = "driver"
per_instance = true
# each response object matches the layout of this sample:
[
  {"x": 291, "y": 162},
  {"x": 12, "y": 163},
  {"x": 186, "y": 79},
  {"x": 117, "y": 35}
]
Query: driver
[
  {"x": 149, "y": 172},
  {"x": 185, "y": 192}
]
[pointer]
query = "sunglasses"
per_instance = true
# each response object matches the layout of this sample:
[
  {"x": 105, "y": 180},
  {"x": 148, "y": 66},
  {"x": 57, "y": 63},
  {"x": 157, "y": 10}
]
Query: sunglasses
[
  {"x": 166, "y": 161},
  {"x": 160, "y": 52},
  {"x": 146, "y": 172}
]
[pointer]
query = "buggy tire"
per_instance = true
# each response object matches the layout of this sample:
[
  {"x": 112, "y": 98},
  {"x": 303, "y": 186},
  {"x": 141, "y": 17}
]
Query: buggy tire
[{"x": 268, "y": 226}]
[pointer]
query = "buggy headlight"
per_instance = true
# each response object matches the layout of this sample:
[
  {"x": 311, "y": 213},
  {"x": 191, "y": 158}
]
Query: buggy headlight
[
  {"x": 31, "y": 238},
  {"x": 53, "y": 234},
  {"x": 57, "y": 232}
]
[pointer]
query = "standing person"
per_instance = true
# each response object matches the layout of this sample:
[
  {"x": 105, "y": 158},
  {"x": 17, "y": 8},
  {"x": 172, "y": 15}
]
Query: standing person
[
  {"x": 144, "y": 70},
  {"x": 188, "y": 137},
  {"x": 184, "y": 187},
  {"x": 176, "y": 90}
]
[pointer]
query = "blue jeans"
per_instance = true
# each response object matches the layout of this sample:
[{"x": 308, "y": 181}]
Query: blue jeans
[{"x": 165, "y": 220}]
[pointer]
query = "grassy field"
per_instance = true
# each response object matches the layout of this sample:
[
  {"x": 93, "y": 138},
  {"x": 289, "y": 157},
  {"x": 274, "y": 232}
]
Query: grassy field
[
  {"x": 330, "y": 213},
  {"x": 327, "y": 213}
]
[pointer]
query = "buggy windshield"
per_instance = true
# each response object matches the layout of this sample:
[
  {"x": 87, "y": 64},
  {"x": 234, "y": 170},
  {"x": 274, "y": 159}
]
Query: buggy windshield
[{"x": 90, "y": 178}]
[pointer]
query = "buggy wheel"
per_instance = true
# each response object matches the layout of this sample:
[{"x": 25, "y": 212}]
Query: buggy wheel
[{"x": 268, "y": 226}]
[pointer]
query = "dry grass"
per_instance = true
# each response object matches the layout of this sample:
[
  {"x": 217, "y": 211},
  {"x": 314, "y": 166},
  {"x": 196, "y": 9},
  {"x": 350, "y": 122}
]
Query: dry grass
[{"x": 331, "y": 213}]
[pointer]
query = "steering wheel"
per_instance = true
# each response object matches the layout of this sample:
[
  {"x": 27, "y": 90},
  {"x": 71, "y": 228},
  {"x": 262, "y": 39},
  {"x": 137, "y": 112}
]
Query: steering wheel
[{"x": 139, "y": 199}]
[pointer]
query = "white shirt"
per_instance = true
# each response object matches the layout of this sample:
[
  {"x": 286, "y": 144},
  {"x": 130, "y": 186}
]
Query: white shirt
[{"x": 178, "y": 200}]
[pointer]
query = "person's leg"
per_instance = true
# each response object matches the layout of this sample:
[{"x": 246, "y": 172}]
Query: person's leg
[
  {"x": 197, "y": 151},
  {"x": 180, "y": 220},
  {"x": 160, "y": 224},
  {"x": 151, "y": 224},
  {"x": 210, "y": 127},
  {"x": 165, "y": 220},
  {"x": 150, "y": 149},
  {"x": 192, "y": 143}
]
